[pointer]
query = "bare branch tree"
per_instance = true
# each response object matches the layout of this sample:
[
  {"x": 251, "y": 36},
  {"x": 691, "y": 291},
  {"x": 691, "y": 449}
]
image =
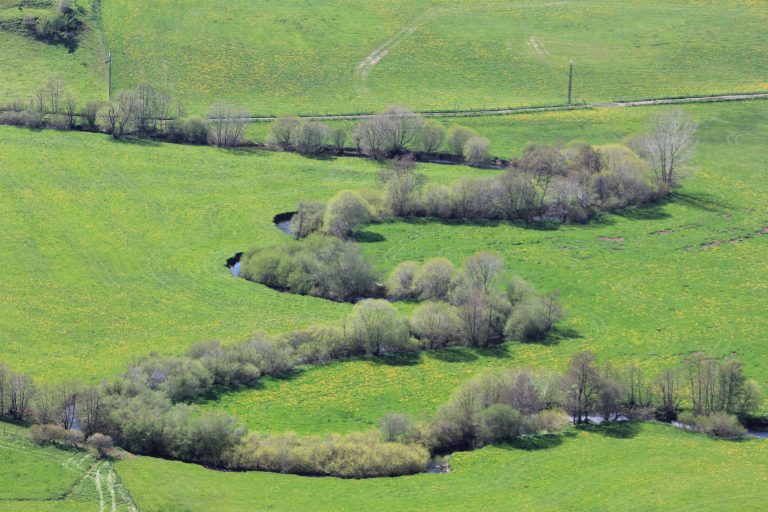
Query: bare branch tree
[
  {"x": 226, "y": 124},
  {"x": 670, "y": 144}
]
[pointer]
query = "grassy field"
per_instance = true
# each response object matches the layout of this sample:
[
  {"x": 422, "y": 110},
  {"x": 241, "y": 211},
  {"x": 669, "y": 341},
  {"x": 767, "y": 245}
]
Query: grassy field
[
  {"x": 344, "y": 56},
  {"x": 111, "y": 250},
  {"x": 667, "y": 293},
  {"x": 37, "y": 479},
  {"x": 26, "y": 64},
  {"x": 658, "y": 468}
]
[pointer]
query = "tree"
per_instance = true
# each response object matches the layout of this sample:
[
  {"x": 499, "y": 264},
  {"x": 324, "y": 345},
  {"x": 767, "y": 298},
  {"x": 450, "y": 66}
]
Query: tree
[
  {"x": 377, "y": 327},
  {"x": 402, "y": 183},
  {"x": 68, "y": 393},
  {"x": 54, "y": 90},
  {"x": 281, "y": 132},
  {"x": 70, "y": 109},
  {"x": 482, "y": 316},
  {"x": 669, "y": 394},
  {"x": 457, "y": 139},
  {"x": 226, "y": 123},
  {"x": 309, "y": 218},
  {"x": 471, "y": 198},
  {"x": 403, "y": 129},
  {"x": 543, "y": 163},
  {"x": 341, "y": 271},
  {"x": 395, "y": 427},
  {"x": 431, "y": 136},
  {"x": 476, "y": 150},
  {"x": 101, "y": 443},
  {"x": 92, "y": 410},
  {"x": 481, "y": 269},
  {"x": 339, "y": 137},
  {"x": 90, "y": 113},
  {"x": 152, "y": 107},
  {"x": 433, "y": 280},
  {"x": 670, "y": 144},
  {"x": 120, "y": 115},
  {"x": 500, "y": 422},
  {"x": 533, "y": 318},
  {"x": 372, "y": 135},
  {"x": 436, "y": 323},
  {"x": 5, "y": 375},
  {"x": 344, "y": 213},
  {"x": 581, "y": 384},
  {"x": 437, "y": 201},
  {"x": 400, "y": 281},
  {"x": 21, "y": 390},
  {"x": 513, "y": 195},
  {"x": 310, "y": 137}
]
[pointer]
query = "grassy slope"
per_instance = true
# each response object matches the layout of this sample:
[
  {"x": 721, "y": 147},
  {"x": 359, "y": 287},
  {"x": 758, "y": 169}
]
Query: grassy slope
[
  {"x": 112, "y": 250},
  {"x": 37, "y": 479},
  {"x": 659, "y": 468},
  {"x": 36, "y": 473},
  {"x": 651, "y": 297},
  {"x": 301, "y": 57},
  {"x": 26, "y": 64}
]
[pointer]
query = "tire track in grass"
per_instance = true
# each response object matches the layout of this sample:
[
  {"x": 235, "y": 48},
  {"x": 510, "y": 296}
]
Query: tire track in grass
[
  {"x": 364, "y": 67},
  {"x": 97, "y": 481}
]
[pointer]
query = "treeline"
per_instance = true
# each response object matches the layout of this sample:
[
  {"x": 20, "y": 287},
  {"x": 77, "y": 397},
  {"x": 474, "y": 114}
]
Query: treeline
[
  {"x": 147, "y": 112},
  {"x": 578, "y": 178},
  {"x": 704, "y": 394},
  {"x": 395, "y": 132},
  {"x": 64, "y": 23},
  {"x": 145, "y": 412},
  {"x": 470, "y": 305},
  {"x": 572, "y": 183}
]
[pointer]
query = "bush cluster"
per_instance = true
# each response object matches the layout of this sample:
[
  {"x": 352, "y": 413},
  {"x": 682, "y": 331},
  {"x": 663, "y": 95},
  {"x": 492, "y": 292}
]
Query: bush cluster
[
  {"x": 356, "y": 455},
  {"x": 394, "y": 132},
  {"x": 322, "y": 266},
  {"x": 574, "y": 183},
  {"x": 498, "y": 408},
  {"x": 716, "y": 424},
  {"x": 64, "y": 24},
  {"x": 141, "y": 410}
]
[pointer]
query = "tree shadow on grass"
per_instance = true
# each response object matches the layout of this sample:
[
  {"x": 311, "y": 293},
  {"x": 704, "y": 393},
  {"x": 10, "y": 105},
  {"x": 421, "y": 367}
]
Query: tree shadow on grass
[
  {"x": 538, "y": 442},
  {"x": 654, "y": 212},
  {"x": 448, "y": 355},
  {"x": 368, "y": 237},
  {"x": 701, "y": 201},
  {"x": 615, "y": 429},
  {"x": 258, "y": 385},
  {"x": 135, "y": 141},
  {"x": 490, "y": 223},
  {"x": 403, "y": 359},
  {"x": 499, "y": 351},
  {"x": 558, "y": 334}
]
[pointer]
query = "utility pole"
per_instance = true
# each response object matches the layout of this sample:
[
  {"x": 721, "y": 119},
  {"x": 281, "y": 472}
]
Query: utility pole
[
  {"x": 109, "y": 61},
  {"x": 570, "y": 82}
]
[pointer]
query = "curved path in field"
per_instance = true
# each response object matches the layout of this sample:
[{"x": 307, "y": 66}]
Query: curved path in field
[{"x": 522, "y": 110}]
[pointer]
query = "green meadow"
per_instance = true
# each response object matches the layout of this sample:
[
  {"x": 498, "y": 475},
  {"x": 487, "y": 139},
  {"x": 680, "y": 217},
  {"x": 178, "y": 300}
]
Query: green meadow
[
  {"x": 26, "y": 64},
  {"x": 112, "y": 250},
  {"x": 645, "y": 467},
  {"x": 41, "y": 479},
  {"x": 344, "y": 56}
]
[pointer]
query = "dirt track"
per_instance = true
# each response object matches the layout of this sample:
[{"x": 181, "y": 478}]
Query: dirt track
[{"x": 522, "y": 110}]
